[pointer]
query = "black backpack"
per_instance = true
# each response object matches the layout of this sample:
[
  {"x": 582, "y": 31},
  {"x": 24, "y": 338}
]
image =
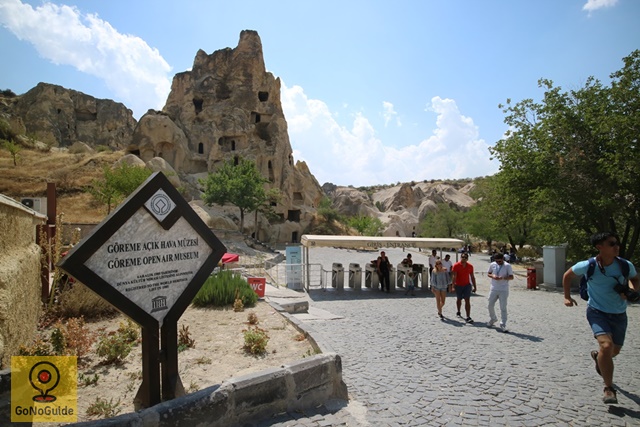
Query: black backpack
[{"x": 624, "y": 267}]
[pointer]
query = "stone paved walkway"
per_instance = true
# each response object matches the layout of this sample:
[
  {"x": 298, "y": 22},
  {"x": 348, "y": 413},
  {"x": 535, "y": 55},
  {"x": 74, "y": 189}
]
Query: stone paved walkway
[{"x": 403, "y": 366}]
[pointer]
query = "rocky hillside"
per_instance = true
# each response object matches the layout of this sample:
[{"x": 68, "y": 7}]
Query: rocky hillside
[
  {"x": 400, "y": 207},
  {"x": 226, "y": 107}
]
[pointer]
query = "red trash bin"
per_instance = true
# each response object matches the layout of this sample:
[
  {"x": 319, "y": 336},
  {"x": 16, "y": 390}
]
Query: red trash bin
[{"x": 531, "y": 278}]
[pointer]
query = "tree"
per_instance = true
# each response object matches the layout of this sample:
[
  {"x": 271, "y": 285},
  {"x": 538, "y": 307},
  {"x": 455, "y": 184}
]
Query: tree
[
  {"x": 442, "y": 222},
  {"x": 116, "y": 184},
  {"x": 366, "y": 225},
  {"x": 241, "y": 185},
  {"x": 272, "y": 198},
  {"x": 327, "y": 211},
  {"x": 573, "y": 162},
  {"x": 482, "y": 220},
  {"x": 13, "y": 149}
]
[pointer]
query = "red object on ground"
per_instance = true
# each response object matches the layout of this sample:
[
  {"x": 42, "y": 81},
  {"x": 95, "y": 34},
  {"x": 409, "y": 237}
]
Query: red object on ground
[
  {"x": 227, "y": 258},
  {"x": 531, "y": 278},
  {"x": 258, "y": 285}
]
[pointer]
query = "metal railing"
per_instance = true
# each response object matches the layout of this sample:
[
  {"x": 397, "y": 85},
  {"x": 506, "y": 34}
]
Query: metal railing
[{"x": 309, "y": 276}]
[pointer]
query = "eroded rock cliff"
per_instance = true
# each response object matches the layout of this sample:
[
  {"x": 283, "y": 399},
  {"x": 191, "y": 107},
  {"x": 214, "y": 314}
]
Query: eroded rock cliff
[{"x": 228, "y": 107}]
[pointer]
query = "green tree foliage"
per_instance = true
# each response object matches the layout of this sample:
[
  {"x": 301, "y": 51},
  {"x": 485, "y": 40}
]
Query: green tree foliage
[
  {"x": 13, "y": 150},
  {"x": 442, "y": 222},
  {"x": 327, "y": 211},
  {"x": 241, "y": 185},
  {"x": 572, "y": 160},
  {"x": 6, "y": 132},
  {"x": 116, "y": 184},
  {"x": 366, "y": 225}
]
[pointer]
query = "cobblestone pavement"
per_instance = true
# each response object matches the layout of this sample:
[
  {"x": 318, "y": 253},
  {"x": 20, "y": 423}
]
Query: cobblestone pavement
[{"x": 403, "y": 366}]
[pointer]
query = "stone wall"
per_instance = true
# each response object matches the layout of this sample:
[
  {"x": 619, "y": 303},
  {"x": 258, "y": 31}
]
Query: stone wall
[
  {"x": 305, "y": 384},
  {"x": 20, "y": 287}
]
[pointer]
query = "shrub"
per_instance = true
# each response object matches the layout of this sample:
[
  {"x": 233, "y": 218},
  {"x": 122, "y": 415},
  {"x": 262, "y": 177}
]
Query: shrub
[
  {"x": 87, "y": 380},
  {"x": 37, "y": 348},
  {"x": 79, "y": 301},
  {"x": 252, "y": 318},
  {"x": 184, "y": 339},
  {"x": 255, "y": 341},
  {"x": 129, "y": 331},
  {"x": 6, "y": 132},
  {"x": 113, "y": 348},
  {"x": 103, "y": 408},
  {"x": 220, "y": 290},
  {"x": 72, "y": 338}
]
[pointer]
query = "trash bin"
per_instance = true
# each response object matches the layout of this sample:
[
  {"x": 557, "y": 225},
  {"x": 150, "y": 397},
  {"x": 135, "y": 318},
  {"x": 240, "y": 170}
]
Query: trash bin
[
  {"x": 337, "y": 276},
  {"x": 420, "y": 276},
  {"x": 403, "y": 270},
  {"x": 355, "y": 276},
  {"x": 531, "y": 278},
  {"x": 371, "y": 279}
]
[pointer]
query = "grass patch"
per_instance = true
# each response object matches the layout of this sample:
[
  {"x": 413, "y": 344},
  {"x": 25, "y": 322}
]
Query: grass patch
[{"x": 223, "y": 289}]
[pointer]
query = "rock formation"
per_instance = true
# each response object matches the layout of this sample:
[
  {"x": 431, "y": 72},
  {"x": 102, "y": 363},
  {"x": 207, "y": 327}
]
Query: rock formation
[
  {"x": 228, "y": 107},
  {"x": 61, "y": 117},
  {"x": 401, "y": 207}
]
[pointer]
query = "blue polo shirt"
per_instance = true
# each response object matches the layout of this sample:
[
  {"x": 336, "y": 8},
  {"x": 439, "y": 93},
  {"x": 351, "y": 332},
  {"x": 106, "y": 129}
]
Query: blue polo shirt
[{"x": 600, "y": 286}]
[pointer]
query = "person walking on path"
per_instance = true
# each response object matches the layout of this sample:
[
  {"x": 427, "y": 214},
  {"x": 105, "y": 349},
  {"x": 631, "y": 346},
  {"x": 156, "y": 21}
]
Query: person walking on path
[
  {"x": 410, "y": 284},
  {"x": 500, "y": 273},
  {"x": 447, "y": 264},
  {"x": 383, "y": 267},
  {"x": 607, "y": 304},
  {"x": 439, "y": 286},
  {"x": 463, "y": 279}
]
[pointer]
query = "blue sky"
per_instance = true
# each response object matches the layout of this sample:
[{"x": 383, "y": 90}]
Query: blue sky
[{"x": 374, "y": 92}]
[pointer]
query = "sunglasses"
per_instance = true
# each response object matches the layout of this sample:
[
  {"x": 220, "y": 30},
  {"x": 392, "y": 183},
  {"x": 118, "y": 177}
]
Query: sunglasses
[{"x": 465, "y": 257}]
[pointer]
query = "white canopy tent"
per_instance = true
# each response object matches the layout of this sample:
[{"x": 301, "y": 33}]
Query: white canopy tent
[{"x": 352, "y": 242}]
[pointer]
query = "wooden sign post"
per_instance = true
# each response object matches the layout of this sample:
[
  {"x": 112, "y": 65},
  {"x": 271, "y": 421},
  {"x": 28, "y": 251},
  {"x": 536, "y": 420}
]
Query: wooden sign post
[{"x": 149, "y": 258}]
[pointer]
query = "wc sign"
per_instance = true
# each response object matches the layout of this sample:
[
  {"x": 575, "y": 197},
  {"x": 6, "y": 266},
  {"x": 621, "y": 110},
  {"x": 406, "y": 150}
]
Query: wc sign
[{"x": 257, "y": 284}]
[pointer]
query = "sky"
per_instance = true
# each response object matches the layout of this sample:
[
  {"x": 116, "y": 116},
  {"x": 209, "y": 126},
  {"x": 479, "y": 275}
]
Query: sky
[{"x": 374, "y": 92}]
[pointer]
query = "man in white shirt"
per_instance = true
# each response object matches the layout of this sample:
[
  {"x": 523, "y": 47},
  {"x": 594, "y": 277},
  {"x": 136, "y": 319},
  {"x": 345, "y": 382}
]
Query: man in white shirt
[
  {"x": 447, "y": 264},
  {"x": 500, "y": 273},
  {"x": 432, "y": 260}
]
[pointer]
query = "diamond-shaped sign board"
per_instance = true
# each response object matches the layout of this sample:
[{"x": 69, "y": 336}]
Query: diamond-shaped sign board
[{"x": 150, "y": 256}]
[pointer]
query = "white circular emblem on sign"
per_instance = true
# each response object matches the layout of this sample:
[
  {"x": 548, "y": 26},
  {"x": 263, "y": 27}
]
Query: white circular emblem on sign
[{"x": 160, "y": 205}]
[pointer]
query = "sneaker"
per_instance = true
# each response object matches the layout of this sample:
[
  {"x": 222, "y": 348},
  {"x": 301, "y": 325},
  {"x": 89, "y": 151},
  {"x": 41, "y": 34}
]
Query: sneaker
[
  {"x": 459, "y": 315},
  {"x": 492, "y": 322},
  {"x": 441, "y": 316},
  {"x": 609, "y": 395},
  {"x": 504, "y": 329},
  {"x": 594, "y": 356},
  {"x": 468, "y": 320}
]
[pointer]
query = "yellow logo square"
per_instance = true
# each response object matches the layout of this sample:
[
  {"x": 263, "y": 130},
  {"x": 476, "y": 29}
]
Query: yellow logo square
[{"x": 44, "y": 389}]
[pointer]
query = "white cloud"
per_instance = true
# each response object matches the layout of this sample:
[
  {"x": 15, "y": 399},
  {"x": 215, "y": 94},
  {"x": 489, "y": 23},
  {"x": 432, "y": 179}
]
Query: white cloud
[
  {"x": 592, "y": 5},
  {"x": 389, "y": 113},
  {"x": 353, "y": 155},
  {"x": 134, "y": 71}
]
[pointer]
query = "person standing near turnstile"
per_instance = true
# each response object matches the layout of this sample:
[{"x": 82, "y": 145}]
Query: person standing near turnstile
[{"x": 383, "y": 267}]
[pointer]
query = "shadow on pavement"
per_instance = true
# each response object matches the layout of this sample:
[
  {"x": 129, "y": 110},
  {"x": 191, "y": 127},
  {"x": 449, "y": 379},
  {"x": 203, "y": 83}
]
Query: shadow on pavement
[{"x": 524, "y": 336}]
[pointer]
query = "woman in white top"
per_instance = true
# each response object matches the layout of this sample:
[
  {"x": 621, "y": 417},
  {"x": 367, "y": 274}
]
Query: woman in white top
[{"x": 439, "y": 285}]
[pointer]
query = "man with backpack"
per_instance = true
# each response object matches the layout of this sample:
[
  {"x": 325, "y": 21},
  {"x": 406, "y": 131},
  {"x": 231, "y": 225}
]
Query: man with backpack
[{"x": 607, "y": 286}]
